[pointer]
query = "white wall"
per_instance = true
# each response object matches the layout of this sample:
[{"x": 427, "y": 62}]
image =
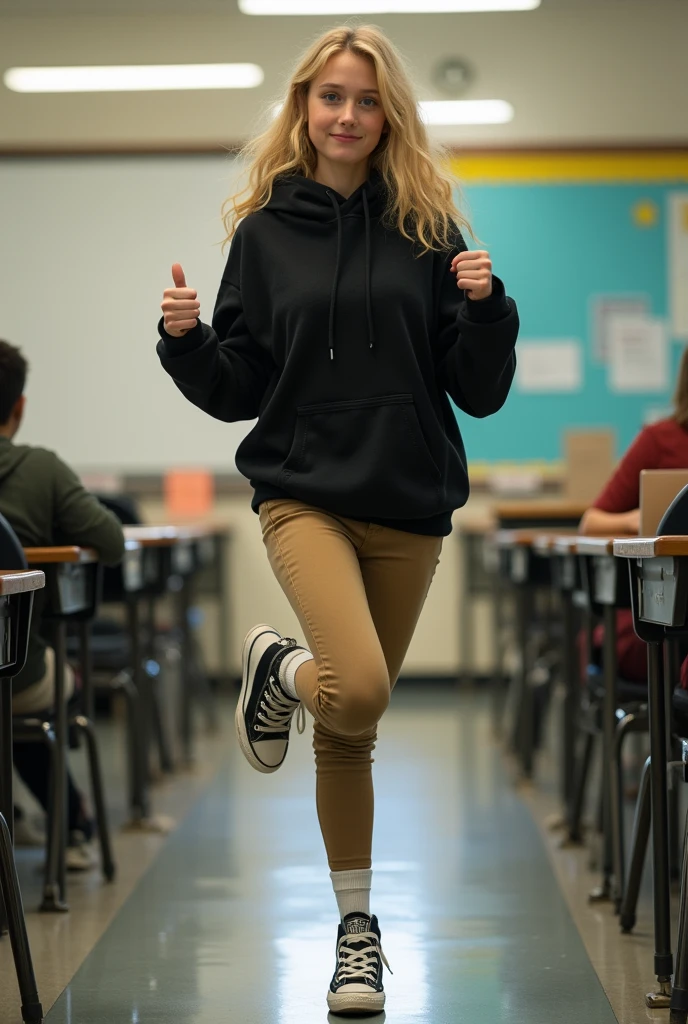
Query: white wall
[
  {"x": 575, "y": 70},
  {"x": 86, "y": 248}
]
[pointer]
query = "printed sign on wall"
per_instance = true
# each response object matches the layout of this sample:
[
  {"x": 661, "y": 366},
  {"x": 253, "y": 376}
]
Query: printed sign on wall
[{"x": 678, "y": 263}]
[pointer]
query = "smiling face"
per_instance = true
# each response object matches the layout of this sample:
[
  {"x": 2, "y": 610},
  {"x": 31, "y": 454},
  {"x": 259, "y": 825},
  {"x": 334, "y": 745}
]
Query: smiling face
[{"x": 345, "y": 115}]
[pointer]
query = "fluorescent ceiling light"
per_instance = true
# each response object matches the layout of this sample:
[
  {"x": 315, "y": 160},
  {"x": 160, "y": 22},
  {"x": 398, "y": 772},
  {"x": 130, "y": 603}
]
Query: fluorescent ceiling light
[
  {"x": 323, "y": 7},
  {"x": 466, "y": 111},
  {"x": 134, "y": 78}
]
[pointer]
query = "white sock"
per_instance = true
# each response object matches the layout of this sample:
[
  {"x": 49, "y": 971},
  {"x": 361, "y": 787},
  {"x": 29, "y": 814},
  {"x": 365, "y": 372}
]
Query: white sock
[
  {"x": 287, "y": 670},
  {"x": 352, "y": 889}
]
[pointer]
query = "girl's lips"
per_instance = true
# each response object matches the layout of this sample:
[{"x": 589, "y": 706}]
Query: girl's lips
[{"x": 346, "y": 138}]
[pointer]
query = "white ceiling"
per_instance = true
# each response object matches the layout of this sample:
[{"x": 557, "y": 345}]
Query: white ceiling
[
  {"x": 144, "y": 7},
  {"x": 576, "y": 71}
]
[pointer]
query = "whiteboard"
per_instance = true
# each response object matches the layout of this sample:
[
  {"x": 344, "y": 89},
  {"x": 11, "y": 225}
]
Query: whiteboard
[{"x": 86, "y": 247}]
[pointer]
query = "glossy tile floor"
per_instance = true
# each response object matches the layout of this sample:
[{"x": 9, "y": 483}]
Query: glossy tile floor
[{"x": 235, "y": 919}]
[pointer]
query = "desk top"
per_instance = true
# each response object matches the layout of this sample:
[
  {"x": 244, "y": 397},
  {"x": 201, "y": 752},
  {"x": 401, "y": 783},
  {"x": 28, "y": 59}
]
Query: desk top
[
  {"x": 538, "y": 539},
  {"x": 650, "y": 547},
  {"x": 201, "y": 527},
  {"x": 60, "y": 555},
  {"x": 555, "y": 543},
  {"x": 553, "y": 509},
  {"x": 20, "y": 581},
  {"x": 542, "y": 541},
  {"x": 566, "y": 544},
  {"x": 169, "y": 535},
  {"x": 474, "y": 527},
  {"x": 596, "y": 545}
]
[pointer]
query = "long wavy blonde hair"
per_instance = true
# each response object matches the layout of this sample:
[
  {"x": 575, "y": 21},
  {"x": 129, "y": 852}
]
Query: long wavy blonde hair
[{"x": 420, "y": 202}]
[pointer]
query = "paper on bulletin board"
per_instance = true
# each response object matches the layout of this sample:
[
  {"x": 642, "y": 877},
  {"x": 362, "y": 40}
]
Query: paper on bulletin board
[
  {"x": 678, "y": 263},
  {"x": 604, "y": 307},
  {"x": 544, "y": 366},
  {"x": 189, "y": 493},
  {"x": 638, "y": 355}
]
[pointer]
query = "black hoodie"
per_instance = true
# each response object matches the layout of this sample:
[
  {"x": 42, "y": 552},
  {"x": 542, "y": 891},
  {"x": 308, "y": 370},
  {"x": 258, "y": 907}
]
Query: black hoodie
[{"x": 344, "y": 343}]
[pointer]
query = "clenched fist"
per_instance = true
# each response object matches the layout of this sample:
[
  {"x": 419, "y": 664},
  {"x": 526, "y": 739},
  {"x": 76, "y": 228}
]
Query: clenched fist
[
  {"x": 180, "y": 307},
  {"x": 473, "y": 273}
]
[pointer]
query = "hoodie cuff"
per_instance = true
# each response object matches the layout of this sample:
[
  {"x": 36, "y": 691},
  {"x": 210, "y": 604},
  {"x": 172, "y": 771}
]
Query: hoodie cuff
[
  {"x": 180, "y": 346},
  {"x": 487, "y": 311}
]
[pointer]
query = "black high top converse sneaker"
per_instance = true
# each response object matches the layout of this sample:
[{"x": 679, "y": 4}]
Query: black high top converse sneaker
[
  {"x": 265, "y": 710},
  {"x": 357, "y": 983}
]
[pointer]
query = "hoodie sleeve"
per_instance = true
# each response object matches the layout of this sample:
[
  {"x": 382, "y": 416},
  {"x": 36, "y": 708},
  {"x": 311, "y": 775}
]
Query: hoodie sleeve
[
  {"x": 79, "y": 518},
  {"x": 220, "y": 368},
  {"x": 476, "y": 361}
]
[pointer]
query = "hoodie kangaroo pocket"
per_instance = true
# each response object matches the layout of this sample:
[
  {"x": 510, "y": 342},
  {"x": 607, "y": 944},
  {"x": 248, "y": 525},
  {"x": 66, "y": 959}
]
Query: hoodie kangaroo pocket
[{"x": 366, "y": 458}]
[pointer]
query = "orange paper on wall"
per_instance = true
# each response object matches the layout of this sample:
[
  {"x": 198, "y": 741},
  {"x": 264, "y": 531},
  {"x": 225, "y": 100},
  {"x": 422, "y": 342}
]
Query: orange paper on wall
[{"x": 189, "y": 493}]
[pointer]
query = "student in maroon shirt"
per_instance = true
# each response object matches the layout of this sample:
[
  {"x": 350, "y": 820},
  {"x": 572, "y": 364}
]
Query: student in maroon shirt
[{"x": 662, "y": 445}]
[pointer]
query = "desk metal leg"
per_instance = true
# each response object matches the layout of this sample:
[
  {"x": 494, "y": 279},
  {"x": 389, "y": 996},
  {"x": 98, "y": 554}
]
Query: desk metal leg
[
  {"x": 465, "y": 616},
  {"x": 660, "y": 826},
  {"x": 11, "y": 909},
  {"x": 499, "y": 692},
  {"x": 31, "y": 1009},
  {"x": 140, "y": 730},
  {"x": 86, "y": 665},
  {"x": 610, "y": 809},
  {"x": 641, "y": 837},
  {"x": 226, "y": 633},
  {"x": 526, "y": 711},
  {"x": 55, "y": 891},
  {"x": 85, "y": 723},
  {"x": 6, "y": 797},
  {"x": 679, "y": 994},
  {"x": 186, "y": 725},
  {"x": 572, "y": 693}
]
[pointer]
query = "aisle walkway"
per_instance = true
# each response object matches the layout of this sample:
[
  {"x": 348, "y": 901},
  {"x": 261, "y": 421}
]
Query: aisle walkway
[{"x": 235, "y": 921}]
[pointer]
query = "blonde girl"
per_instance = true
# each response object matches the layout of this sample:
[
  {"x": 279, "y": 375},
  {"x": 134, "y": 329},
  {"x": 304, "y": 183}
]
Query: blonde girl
[{"x": 349, "y": 313}]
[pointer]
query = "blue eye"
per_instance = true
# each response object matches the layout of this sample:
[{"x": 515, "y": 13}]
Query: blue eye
[
  {"x": 330, "y": 95},
  {"x": 372, "y": 101}
]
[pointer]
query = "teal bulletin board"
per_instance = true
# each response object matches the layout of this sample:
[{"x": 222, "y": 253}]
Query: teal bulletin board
[{"x": 561, "y": 245}]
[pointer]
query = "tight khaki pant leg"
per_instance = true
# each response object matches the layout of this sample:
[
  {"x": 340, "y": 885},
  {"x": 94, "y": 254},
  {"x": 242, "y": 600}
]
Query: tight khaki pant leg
[{"x": 358, "y": 590}]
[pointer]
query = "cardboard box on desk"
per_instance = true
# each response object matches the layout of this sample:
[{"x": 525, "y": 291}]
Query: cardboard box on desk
[
  {"x": 658, "y": 488},
  {"x": 589, "y": 461}
]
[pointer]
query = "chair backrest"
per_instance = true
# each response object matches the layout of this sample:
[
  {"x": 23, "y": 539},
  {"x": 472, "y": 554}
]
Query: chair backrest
[
  {"x": 124, "y": 507},
  {"x": 674, "y": 522},
  {"x": 658, "y": 488},
  {"x": 11, "y": 552}
]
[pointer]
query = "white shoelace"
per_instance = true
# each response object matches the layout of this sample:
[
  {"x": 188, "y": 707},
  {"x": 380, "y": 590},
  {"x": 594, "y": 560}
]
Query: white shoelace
[
  {"x": 278, "y": 709},
  {"x": 359, "y": 964}
]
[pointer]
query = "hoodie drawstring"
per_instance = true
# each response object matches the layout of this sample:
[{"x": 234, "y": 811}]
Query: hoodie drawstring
[
  {"x": 335, "y": 279},
  {"x": 337, "y": 266},
  {"x": 369, "y": 308}
]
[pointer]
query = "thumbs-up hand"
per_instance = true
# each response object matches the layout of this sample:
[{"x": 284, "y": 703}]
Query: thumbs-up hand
[{"x": 180, "y": 306}]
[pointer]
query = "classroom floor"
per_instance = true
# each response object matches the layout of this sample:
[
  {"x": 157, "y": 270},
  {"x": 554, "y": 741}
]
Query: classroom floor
[{"x": 232, "y": 916}]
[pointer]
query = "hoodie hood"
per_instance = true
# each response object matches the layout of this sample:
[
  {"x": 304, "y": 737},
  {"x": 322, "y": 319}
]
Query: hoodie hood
[
  {"x": 308, "y": 200},
  {"x": 11, "y": 456}
]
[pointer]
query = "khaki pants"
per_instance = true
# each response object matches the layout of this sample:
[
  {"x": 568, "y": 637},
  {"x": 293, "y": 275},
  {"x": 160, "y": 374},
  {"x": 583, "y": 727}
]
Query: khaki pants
[
  {"x": 358, "y": 590},
  {"x": 41, "y": 696}
]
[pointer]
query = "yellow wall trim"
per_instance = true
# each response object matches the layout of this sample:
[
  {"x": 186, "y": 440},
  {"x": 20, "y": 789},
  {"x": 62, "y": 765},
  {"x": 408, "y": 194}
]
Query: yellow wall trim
[{"x": 661, "y": 167}]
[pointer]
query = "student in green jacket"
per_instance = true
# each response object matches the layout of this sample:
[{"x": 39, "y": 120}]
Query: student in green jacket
[{"x": 46, "y": 504}]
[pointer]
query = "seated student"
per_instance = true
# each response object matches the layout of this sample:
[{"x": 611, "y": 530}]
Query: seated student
[
  {"x": 45, "y": 503},
  {"x": 661, "y": 445}
]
